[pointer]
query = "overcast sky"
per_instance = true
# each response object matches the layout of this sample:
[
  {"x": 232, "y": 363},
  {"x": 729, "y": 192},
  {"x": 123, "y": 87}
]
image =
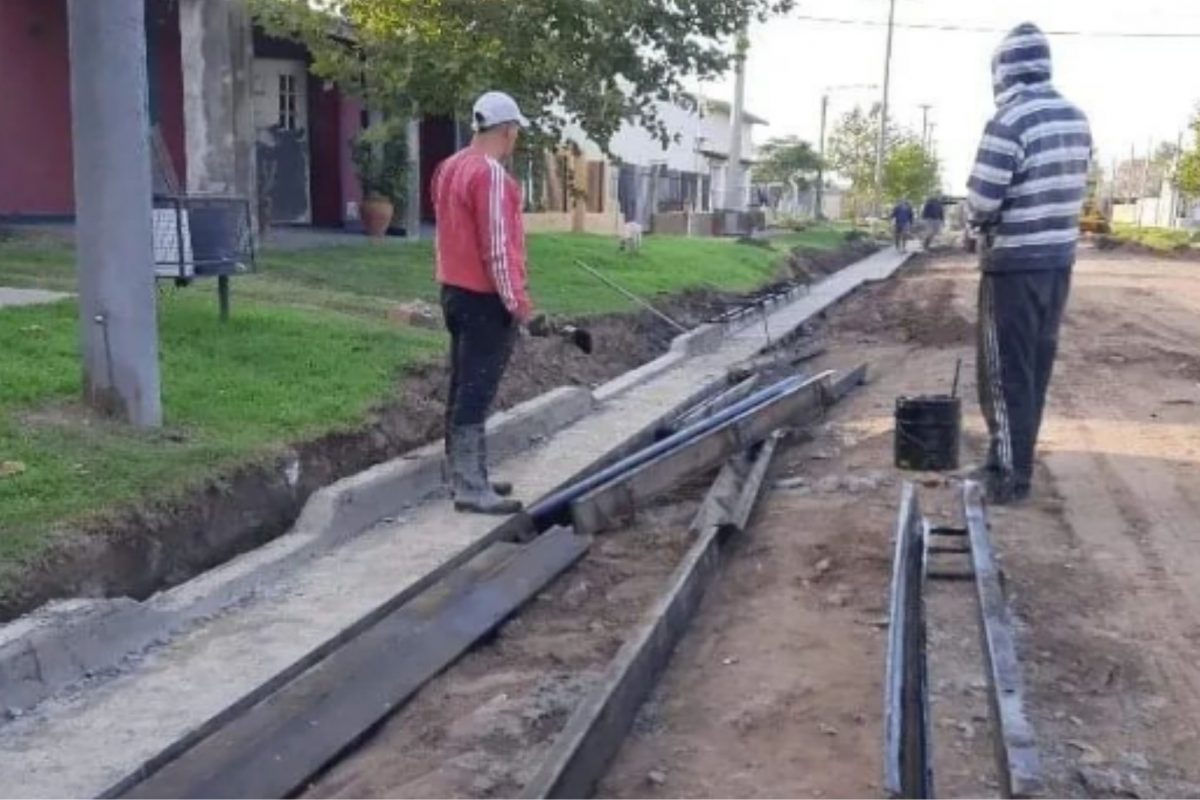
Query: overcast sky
[{"x": 1134, "y": 90}]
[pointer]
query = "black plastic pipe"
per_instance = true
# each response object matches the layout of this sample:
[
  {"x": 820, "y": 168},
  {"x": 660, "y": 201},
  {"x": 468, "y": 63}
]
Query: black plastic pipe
[{"x": 555, "y": 509}]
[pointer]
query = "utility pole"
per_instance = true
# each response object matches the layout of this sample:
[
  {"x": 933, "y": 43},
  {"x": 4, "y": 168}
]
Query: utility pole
[
  {"x": 925, "y": 137},
  {"x": 734, "y": 190},
  {"x": 819, "y": 210},
  {"x": 114, "y": 235},
  {"x": 412, "y": 206},
  {"x": 883, "y": 112}
]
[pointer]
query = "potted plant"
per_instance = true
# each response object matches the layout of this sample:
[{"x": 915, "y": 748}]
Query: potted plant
[{"x": 381, "y": 161}]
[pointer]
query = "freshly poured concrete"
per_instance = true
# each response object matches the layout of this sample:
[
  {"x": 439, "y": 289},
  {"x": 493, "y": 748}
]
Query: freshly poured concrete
[{"x": 91, "y": 741}]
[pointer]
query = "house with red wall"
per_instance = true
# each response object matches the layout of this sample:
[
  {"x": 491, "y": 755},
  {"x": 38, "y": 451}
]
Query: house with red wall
[{"x": 239, "y": 112}]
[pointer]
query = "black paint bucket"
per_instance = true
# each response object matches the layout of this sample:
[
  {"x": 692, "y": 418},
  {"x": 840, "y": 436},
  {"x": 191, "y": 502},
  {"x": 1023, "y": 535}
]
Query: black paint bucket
[{"x": 928, "y": 430}]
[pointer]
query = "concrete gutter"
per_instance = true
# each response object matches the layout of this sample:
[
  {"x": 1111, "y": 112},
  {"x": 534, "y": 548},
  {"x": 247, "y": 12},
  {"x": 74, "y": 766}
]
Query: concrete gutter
[{"x": 67, "y": 642}]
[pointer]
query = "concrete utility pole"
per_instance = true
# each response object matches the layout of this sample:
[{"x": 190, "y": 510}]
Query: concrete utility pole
[
  {"x": 734, "y": 190},
  {"x": 925, "y": 138},
  {"x": 883, "y": 112},
  {"x": 412, "y": 222},
  {"x": 819, "y": 209},
  {"x": 113, "y": 228}
]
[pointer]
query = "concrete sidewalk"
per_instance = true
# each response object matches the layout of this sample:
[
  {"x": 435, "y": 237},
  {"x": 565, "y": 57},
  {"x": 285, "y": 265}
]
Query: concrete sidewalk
[
  {"x": 89, "y": 742},
  {"x": 11, "y": 298}
]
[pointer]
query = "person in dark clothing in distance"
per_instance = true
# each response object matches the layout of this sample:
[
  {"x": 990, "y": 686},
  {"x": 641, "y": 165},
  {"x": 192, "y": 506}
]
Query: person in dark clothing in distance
[
  {"x": 1024, "y": 196},
  {"x": 933, "y": 217},
  {"x": 902, "y": 220}
]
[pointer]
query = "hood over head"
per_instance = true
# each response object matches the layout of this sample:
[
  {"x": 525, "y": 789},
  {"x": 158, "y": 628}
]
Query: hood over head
[{"x": 1022, "y": 60}]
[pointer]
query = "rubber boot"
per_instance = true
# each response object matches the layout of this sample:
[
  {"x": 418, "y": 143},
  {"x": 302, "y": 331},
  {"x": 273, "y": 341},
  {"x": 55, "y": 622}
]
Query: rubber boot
[
  {"x": 502, "y": 488},
  {"x": 472, "y": 492}
]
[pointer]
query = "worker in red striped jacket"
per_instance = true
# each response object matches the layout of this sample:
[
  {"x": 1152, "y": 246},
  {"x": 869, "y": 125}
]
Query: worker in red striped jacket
[{"x": 481, "y": 269}]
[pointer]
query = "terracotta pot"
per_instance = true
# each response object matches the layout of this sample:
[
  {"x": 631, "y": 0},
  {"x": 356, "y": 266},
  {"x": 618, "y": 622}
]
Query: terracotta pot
[{"x": 376, "y": 213}]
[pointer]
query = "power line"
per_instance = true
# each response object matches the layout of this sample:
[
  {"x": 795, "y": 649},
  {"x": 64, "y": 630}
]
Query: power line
[{"x": 958, "y": 28}]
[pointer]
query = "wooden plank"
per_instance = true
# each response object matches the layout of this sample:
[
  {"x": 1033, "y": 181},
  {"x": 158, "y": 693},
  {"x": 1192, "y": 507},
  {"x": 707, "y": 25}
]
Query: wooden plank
[
  {"x": 613, "y": 503},
  {"x": 1016, "y": 749},
  {"x": 275, "y": 747},
  {"x": 596, "y": 729},
  {"x": 907, "y": 770}
]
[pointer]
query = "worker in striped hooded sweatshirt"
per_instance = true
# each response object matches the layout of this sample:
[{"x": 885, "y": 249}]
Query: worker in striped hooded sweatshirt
[
  {"x": 1025, "y": 196},
  {"x": 481, "y": 269}
]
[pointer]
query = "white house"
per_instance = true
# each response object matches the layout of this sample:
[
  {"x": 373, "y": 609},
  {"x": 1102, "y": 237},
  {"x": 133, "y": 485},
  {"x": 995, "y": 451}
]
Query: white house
[{"x": 688, "y": 174}]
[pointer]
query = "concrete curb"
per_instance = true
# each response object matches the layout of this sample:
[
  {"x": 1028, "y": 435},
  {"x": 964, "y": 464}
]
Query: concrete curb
[{"x": 67, "y": 642}]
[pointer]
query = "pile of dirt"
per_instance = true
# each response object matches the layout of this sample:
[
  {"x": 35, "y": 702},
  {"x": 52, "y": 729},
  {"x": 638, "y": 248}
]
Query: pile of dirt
[{"x": 923, "y": 313}]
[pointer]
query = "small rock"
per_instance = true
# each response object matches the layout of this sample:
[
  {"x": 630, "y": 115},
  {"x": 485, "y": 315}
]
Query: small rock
[
  {"x": 837, "y": 599},
  {"x": 828, "y": 730},
  {"x": 1088, "y": 754},
  {"x": 729, "y": 662},
  {"x": 656, "y": 777},
  {"x": 1108, "y": 783},
  {"x": 829, "y": 484},
  {"x": 1076, "y": 721},
  {"x": 966, "y": 729},
  {"x": 823, "y": 566},
  {"x": 1136, "y": 761},
  {"x": 792, "y": 483},
  {"x": 576, "y": 594}
]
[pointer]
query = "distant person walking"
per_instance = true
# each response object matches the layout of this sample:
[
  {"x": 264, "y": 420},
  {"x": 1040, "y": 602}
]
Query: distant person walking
[
  {"x": 481, "y": 269},
  {"x": 933, "y": 218},
  {"x": 1025, "y": 196},
  {"x": 902, "y": 220}
]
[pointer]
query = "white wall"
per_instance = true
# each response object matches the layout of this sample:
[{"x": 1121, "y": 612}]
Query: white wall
[{"x": 633, "y": 144}]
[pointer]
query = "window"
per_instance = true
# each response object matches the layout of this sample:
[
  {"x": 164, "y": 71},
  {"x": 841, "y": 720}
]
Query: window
[{"x": 287, "y": 102}]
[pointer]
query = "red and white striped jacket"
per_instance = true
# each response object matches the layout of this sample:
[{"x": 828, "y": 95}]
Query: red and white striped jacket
[{"x": 480, "y": 232}]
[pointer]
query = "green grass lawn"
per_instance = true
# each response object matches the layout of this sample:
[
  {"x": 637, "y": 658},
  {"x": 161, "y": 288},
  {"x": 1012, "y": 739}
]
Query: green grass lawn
[
  {"x": 1160, "y": 239},
  {"x": 308, "y": 350}
]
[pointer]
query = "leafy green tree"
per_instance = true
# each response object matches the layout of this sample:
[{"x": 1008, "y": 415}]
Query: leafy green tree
[
  {"x": 911, "y": 171},
  {"x": 852, "y": 148},
  {"x": 789, "y": 160},
  {"x": 594, "y": 62},
  {"x": 1187, "y": 178}
]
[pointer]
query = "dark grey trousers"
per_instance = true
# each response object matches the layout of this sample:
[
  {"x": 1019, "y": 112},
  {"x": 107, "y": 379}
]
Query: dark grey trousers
[
  {"x": 482, "y": 335},
  {"x": 1019, "y": 317}
]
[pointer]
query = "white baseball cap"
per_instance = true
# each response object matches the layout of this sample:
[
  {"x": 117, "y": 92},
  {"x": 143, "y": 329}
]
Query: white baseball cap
[{"x": 496, "y": 108}]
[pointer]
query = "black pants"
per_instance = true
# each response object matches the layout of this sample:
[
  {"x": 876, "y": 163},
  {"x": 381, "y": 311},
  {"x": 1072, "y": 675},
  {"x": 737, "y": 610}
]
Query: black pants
[
  {"x": 1019, "y": 317},
  {"x": 482, "y": 334}
]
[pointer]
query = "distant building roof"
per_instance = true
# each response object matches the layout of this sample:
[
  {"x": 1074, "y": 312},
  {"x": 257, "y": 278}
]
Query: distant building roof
[{"x": 724, "y": 107}]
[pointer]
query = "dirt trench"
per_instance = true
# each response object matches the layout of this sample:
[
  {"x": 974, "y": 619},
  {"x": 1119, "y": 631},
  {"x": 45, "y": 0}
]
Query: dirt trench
[{"x": 137, "y": 550}]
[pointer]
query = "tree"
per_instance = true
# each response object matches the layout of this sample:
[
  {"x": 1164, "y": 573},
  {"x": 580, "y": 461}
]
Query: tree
[
  {"x": 852, "y": 148},
  {"x": 1187, "y": 177},
  {"x": 910, "y": 172},
  {"x": 789, "y": 160},
  {"x": 596, "y": 63}
]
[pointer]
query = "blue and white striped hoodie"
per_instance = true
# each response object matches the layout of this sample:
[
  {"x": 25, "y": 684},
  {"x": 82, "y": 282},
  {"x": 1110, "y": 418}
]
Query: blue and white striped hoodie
[{"x": 1031, "y": 172}]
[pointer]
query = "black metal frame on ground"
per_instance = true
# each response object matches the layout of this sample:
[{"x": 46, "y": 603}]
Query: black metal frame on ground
[
  {"x": 908, "y": 769},
  {"x": 1016, "y": 749},
  {"x": 908, "y": 746}
]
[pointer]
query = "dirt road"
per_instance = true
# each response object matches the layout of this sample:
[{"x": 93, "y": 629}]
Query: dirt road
[{"x": 777, "y": 690}]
